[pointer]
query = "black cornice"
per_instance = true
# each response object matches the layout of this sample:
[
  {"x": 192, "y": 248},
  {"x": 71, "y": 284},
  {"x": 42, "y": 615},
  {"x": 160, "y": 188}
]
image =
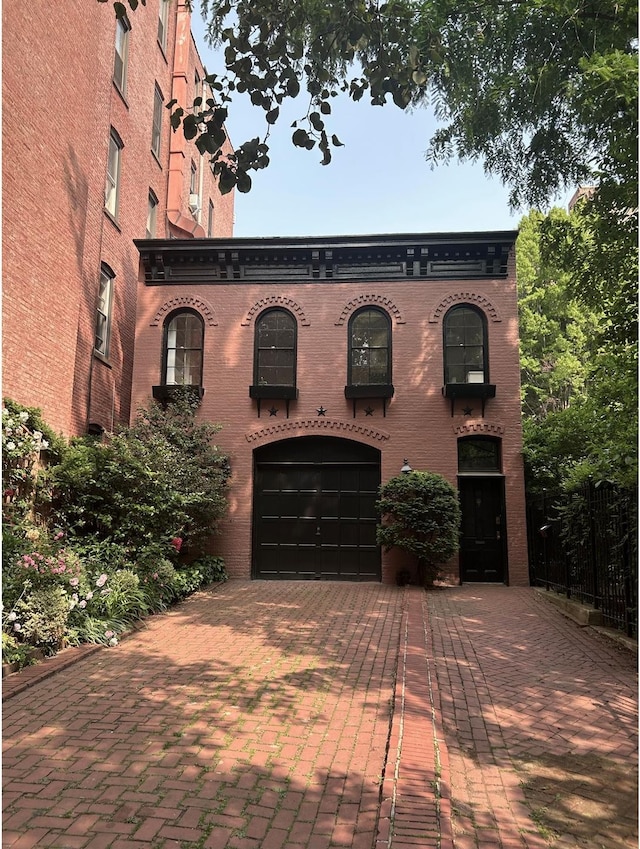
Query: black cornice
[{"x": 469, "y": 255}]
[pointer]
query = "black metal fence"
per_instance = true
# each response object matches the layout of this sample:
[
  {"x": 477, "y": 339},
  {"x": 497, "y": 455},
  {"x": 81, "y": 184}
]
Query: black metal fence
[{"x": 585, "y": 545}]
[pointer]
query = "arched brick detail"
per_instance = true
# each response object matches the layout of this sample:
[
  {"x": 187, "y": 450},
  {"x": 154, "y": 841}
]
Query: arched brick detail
[
  {"x": 483, "y": 428},
  {"x": 475, "y": 298},
  {"x": 370, "y": 300},
  {"x": 308, "y": 426},
  {"x": 276, "y": 301},
  {"x": 199, "y": 304}
]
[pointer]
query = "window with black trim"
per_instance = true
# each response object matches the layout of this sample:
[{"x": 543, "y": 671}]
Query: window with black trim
[
  {"x": 183, "y": 347},
  {"x": 275, "y": 349},
  {"x": 369, "y": 348},
  {"x": 103, "y": 312},
  {"x": 156, "y": 126},
  {"x": 479, "y": 454},
  {"x": 112, "y": 184},
  {"x": 465, "y": 346},
  {"x": 121, "y": 54}
]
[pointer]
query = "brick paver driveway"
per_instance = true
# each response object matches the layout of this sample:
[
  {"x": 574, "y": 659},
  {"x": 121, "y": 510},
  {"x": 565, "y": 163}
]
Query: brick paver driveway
[
  {"x": 319, "y": 715},
  {"x": 254, "y": 715}
]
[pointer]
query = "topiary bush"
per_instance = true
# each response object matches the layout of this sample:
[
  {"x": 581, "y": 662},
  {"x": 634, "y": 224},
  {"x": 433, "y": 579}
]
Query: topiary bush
[{"x": 421, "y": 515}]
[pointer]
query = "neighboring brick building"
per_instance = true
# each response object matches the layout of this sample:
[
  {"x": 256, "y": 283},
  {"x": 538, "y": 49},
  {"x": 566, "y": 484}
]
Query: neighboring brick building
[
  {"x": 89, "y": 164},
  {"x": 330, "y": 363}
]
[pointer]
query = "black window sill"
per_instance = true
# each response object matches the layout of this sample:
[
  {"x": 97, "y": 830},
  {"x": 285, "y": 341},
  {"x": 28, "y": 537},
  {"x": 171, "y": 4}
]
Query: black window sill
[
  {"x": 286, "y": 393},
  {"x": 468, "y": 391},
  {"x": 371, "y": 390},
  {"x": 166, "y": 394}
]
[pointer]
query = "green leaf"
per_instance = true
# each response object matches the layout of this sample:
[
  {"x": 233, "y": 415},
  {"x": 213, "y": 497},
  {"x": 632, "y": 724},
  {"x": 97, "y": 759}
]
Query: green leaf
[
  {"x": 272, "y": 115},
  {"x": 190, "y": 127},
  {"x": 335, "y": 141},
  {"x": 243, "y": 182},
  {"x": 300, "y": 138}
]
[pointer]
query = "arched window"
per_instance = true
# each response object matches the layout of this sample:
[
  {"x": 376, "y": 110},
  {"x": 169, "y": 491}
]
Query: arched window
[
  {"x": 369, "y": 348},
  {"x": 183, "y": 344},
  {"x": 479, "y": 454},
  {"x": 465, "y": 346},
  {"x": 275, "y": 349}
]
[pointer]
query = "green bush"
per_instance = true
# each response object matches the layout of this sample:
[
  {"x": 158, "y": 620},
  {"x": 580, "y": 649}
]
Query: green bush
[
  {"x": 125, "y": 599},
  {"x": 15, "y": 652},
  {"x": 42, "y": 618},
  {"x": 162, "y": 477},
  {"x": 421, "y": 515}
]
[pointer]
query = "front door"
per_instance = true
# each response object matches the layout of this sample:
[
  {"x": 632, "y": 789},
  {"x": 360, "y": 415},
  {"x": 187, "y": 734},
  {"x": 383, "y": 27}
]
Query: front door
[
  {"x": 482, "y": 542},
  {"x": 314, "y": 512}
]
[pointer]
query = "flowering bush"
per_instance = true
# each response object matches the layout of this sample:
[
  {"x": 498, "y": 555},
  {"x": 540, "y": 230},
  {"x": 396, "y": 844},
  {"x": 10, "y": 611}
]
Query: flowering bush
[
  {"x": 24, "y": 437},
  {"x": 130, "y": 507}
]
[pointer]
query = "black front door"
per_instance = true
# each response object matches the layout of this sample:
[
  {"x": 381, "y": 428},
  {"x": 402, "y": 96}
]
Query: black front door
[
  {"x": 482, "y": 543},
  {"x": 314, "y": 510}
]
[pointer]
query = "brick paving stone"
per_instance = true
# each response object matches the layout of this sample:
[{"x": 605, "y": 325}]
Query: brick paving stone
[{"x": 258, "y": 715}]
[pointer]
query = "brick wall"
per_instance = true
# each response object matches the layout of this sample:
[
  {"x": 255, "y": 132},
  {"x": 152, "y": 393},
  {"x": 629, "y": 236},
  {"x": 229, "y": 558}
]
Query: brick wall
[
  {"x": 418, "y": 424},
  {"x": 59, "y": 103}
]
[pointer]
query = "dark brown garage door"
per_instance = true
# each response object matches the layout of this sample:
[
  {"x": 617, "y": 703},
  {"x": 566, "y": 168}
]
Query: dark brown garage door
[{"x": 314, "y": 511}]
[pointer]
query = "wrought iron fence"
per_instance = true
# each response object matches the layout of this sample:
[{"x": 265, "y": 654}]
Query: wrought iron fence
[{"x": 585, "y": 545}]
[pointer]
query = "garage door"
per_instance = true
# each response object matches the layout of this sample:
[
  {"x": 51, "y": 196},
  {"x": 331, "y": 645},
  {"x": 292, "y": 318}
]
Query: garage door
[{"x": 314, "y": 511}]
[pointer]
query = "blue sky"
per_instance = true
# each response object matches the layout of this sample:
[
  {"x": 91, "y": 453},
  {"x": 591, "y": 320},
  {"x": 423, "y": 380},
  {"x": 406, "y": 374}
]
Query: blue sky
[{"x": 379, "y": 182}]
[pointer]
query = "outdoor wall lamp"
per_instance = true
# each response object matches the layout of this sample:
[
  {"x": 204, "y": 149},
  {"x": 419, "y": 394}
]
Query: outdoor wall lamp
[{"x": 406, "y": 468}]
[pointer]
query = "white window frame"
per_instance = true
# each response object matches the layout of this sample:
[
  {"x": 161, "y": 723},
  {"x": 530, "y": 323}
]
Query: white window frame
[
  {"x": 102, "y": 338},
  {"x": 114, "y": 164},
  {"x": 152, "y": 215},
  {"x": 156, "y": 126},
  {"x": 121, "y": 54},
  {"x": 163, "y": 23}
]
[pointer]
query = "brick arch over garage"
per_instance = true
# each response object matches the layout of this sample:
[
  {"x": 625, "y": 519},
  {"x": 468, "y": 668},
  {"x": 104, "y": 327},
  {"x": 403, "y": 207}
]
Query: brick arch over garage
[
  {"x": 477, "y": 299},
  {"x": 307, "y": 427},
  {"x": 185, "y": 301}
]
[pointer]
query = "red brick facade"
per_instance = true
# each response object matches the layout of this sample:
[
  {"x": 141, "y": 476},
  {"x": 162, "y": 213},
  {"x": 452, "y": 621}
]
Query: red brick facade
[
  {"x": 412, "y": 280},
  {"x": 60, "y": 104}
]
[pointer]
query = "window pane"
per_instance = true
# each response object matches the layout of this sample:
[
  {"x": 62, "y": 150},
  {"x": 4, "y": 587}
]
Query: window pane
[
  {"x": 369, "y": 342},
  {"x": 275, "y": 349},
  {"x": 479, "y": 455},
  {"x": 464, "y": 345},
  {"x": 183, "y": 364}
]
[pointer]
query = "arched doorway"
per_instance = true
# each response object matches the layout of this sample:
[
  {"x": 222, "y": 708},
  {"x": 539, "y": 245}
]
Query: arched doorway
[{"x": 314, "y": 513}]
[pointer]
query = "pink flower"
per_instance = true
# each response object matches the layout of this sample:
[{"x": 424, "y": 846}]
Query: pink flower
[
  {"x": 109, "y": 634},
  {"x": 102, "y": 580},
  {"x": 74, "y": 582},
  {"x": 59, "y": 535},
  {"x": 176, "y": 542}
]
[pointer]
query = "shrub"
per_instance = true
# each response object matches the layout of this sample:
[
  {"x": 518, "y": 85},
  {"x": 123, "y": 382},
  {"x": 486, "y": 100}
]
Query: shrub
[
  {"x": 42, "y": 618},
  {"x": 158, "y": 479},
  {"x": 125, "y": 599},
  {"x": 420, "y": 514},
  {"x": 15, "y": 652}
]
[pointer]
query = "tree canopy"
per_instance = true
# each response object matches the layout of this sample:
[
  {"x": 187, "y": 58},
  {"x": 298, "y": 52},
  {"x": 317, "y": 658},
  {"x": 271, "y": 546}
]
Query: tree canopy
[
  {"x": 578, "y": 352},
  {"x": 543, "y": 92}
]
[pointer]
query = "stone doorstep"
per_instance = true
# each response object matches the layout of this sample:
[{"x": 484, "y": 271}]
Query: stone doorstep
[{"x": 586, "y": 616}]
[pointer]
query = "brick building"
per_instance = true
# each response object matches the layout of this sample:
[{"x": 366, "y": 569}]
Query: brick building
[
  {"x": 89, "y": 164},
  {"x": 331, "y": 363}
]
